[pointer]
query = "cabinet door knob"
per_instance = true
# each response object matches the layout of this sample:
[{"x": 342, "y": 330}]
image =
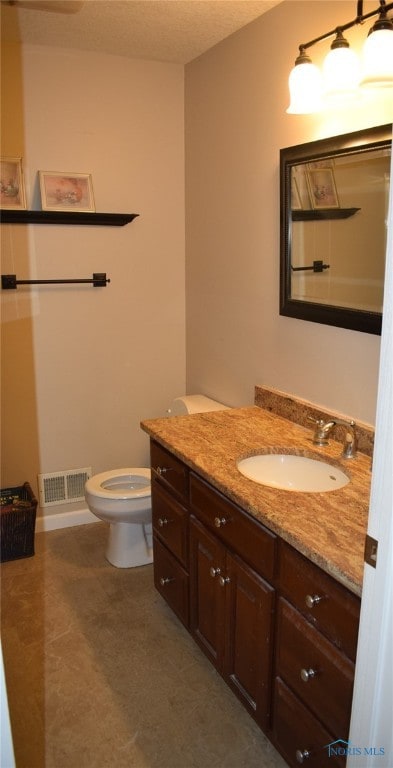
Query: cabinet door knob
[
  {"x": 162, "y": 521},
  {"x": 307, "y": 674},
  {"x": 214, "y": 572},
  {"x": 161, "y": 470},
  {"x": 220, "y": 521},
  {"x": 312, "y": 600},
  {"x": 302, "y": 755},
  {"x": 224, "y": 580},
  {"x": 164, "y": 580}
]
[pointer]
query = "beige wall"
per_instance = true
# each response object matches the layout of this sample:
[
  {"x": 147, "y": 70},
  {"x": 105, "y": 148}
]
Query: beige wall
[
  {"x": 103, "y": 357},
  {"x": 236, "y": 97}
]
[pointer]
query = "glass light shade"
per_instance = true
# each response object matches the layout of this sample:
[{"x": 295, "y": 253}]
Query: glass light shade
[
  {"x": 378, "y": 59},
  {"x": 341, "y": 74},
  {"x": 305, "y": 87}
]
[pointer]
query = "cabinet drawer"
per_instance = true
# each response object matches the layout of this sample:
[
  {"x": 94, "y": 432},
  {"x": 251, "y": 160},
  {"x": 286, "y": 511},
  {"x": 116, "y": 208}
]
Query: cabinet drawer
[
  {"x": 254, "y": 543},
  {"x": 324, "y": 602},
  {"x": 171, "y": 471},
  {"x": 300, "y": 736},
  {"x": 315, "y": 669},
  {"x": 171, "y": 580},
  {"x": 170, "y": 522}
]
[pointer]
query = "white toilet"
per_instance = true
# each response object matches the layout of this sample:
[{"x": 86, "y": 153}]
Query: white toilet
[{"x": 122, "y": 497}]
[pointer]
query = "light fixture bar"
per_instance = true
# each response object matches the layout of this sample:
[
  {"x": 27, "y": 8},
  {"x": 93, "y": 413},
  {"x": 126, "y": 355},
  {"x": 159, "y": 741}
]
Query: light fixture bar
[{"x": 360, "y": 18}]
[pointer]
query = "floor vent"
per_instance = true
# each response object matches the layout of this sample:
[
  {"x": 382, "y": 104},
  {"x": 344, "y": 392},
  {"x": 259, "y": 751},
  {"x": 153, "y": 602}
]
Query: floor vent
[{"x": 63, "y": 487}]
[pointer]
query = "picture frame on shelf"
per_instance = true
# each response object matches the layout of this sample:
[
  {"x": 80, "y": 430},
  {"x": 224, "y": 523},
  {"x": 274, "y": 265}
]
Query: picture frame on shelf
[
  {"x": 12, "y": 188},
  {"x": 62, "y": 191},
  {"x": 322, "y": 188},
  {"x": 295, "y": 196},
  {"x": 300, "y": 188}
]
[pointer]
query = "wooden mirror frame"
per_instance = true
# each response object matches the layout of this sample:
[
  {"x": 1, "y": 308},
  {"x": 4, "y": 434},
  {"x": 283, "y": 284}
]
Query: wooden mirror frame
[{"x": 351, "y": 143}]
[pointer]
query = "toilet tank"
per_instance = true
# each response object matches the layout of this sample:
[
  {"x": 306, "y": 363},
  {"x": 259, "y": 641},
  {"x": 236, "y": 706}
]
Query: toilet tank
[{"x": 188, "y": 404}]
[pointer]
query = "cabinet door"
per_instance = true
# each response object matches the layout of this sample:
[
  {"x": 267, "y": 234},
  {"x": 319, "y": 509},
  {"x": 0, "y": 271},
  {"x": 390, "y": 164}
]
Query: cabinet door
[
  {"x": 171, "y": 471},
  {"x": 249, "y": 607},
  {"x": 319, "y": 674},
  {"x": 171, "y": 580},
  {"x": 299, "y": 736},
  {"x": 322, "y": 600},
  {"x": 207, "y": 595},
  {"x": 170, "y": 521}
]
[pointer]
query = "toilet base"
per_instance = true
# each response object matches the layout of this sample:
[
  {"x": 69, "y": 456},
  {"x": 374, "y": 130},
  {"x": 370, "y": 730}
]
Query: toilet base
[{"x": 129, "y": 545}]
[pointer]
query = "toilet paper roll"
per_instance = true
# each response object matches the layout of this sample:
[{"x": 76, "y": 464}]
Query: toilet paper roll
[{"x": 194, "y": 404}]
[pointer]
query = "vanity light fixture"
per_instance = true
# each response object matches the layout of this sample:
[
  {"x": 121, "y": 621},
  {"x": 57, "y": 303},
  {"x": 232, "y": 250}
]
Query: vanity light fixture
[{"x": 342, "y": 72}]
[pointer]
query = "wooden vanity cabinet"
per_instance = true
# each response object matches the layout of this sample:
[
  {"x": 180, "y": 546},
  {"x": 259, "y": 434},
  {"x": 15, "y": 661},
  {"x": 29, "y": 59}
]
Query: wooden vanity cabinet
[
  {"x": 231, "y": 604},
  {"x": 281, "y": 631},
  {"x": 316, "y": 633}
]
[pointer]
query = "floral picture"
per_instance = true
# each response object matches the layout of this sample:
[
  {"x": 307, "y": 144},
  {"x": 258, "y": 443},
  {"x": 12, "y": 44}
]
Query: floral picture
[
  {"x": 322, "y": 188},
  {"x": 66, "y": 191},
  {"x": 12, "y": 186}
]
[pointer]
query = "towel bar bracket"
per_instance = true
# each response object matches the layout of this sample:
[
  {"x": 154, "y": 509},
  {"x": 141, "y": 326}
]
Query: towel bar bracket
[{"x": 99, "y": 280}]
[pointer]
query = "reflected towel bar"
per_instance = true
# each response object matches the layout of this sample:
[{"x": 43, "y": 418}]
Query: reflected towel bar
[
  {"x": 99, "y": 280},
  {"x": 317, "y": 266}
]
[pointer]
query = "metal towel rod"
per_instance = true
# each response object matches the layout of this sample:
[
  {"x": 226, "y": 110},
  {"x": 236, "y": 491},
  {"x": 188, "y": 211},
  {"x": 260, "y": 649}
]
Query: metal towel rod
[
  {"x": 317, "y": 266},
  {"x": 99, "y": 280}
]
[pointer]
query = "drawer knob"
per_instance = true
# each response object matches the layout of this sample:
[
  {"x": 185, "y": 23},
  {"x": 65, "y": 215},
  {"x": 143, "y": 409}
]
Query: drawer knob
[
  {"x": 161, "y": 470},
  {"x": 302, "y": 755},
  {"x": 214, "y": 572},
  {"x": 164, "y": 580},
  {"x": 220, "y": 521},
  {"x": 224, "y": 580},
  {"x": 162, "y": 521},
  {"x": 312, "y": 600},
  {"x": 307, "y": 674}
]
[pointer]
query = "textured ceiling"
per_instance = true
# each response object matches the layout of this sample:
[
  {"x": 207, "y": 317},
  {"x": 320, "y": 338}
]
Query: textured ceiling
[{"x": 162, "y": 30}]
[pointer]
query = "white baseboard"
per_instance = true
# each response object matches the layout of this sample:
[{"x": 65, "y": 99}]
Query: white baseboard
[{"x": 64, "y": 520}]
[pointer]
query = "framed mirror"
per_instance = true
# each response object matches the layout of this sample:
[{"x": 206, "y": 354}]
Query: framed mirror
[{"x": 334, "y": 196}]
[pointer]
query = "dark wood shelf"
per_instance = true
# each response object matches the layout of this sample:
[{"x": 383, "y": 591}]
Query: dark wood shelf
[
  {"x": 66, "y": 217},
  {"x": 324, "y": 213}
]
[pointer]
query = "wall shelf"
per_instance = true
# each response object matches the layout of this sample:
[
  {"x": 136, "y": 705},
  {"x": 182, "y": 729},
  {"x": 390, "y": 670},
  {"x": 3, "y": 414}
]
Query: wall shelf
[
  {"x": 324, "y": 213},
  {"x": 66, "y": 217}
]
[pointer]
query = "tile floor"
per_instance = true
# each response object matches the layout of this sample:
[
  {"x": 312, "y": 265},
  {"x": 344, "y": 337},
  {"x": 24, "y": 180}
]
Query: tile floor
[{"x": 101, "y": 674}]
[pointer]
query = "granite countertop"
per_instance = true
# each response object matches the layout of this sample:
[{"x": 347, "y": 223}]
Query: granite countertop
[{"x": 329, "y": 528}]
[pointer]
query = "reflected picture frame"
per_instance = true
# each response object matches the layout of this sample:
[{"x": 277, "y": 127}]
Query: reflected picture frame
[
  {"x": 295, "y": 196},
  {"x": 12, "y": 187},
  {"x": 322, "y": 188},
  {"x": 62, "y": 191}
]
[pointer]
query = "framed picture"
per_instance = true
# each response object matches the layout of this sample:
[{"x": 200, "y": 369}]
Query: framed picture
[
  {"x": 295, "y": 197},
  {"x": 300, "y": 182},
  {"x": 12, "y": 185},
  {"x": 322, "y": 187},
  {"x": 66, "y": 191}
]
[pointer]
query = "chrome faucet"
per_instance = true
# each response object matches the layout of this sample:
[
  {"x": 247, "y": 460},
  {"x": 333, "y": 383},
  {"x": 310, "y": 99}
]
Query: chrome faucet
[{"x": 323, "y": 429}]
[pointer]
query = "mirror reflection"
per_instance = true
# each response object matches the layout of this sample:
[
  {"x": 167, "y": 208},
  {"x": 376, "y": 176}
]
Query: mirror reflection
[{"x": 335, "y": 194}]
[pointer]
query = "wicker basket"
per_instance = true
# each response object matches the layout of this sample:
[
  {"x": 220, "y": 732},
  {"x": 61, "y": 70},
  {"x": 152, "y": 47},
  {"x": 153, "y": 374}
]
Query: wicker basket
[{"x": 17, "y": 515}]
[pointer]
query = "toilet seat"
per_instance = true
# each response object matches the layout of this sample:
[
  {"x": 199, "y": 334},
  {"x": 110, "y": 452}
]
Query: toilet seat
[{"x": 126, "y": 483}]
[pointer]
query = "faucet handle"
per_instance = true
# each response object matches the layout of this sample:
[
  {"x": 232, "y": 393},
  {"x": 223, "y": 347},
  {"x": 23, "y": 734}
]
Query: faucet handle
[
  {"x": 322, "y": 429},
  {"x": 318, "y": 422}
]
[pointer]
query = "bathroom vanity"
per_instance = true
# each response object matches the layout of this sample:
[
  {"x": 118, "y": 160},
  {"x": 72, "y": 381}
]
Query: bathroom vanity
[{"x": 268, "y": 582}]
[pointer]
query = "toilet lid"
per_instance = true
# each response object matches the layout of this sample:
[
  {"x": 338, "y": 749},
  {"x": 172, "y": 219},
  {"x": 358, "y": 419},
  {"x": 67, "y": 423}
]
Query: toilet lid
[{"x": 126, "y": 483}]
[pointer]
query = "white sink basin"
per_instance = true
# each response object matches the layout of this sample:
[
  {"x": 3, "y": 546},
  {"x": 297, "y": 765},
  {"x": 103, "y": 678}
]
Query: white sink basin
[{"x": 292, "y": 473}]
